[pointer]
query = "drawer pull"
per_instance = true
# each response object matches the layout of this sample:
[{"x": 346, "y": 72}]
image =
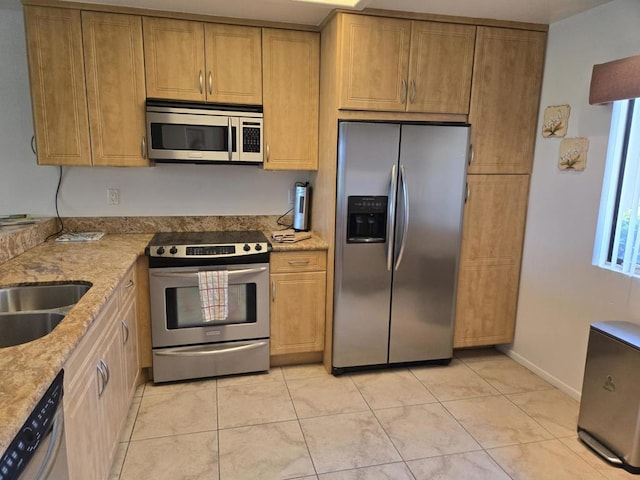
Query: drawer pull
[
  {"x": 298, "y": 262},
  {"x": 273, "y": 291},
  {"x": 102, "y": 379},
  {"x": 125, "y": 328},
  {"x": 129, "y": 284}
]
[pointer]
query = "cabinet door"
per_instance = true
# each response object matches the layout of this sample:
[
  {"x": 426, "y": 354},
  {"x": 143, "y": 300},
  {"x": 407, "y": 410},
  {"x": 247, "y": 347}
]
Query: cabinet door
[
  {"x": 493, "y": 231},
  {"x": 374, "y": 59},
  {"x": 505, "y": 96},
  {"x": 114, "y": 65},
  {"x": 59, "y": 102},
  {"x": 130, "y": 346},
  {"x": 440, "y": 66},
  {"x": 297, "y": 312},
  {"x": 234, "y": 64},
  {"x": 174, "y": 59},
  {"x": 290, "y": 76}
]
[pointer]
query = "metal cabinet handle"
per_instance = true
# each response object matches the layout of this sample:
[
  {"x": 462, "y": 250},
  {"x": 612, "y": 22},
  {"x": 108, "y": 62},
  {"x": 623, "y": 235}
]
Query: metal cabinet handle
[
  {"x": 268, "y": 151},
  {"x": 129, "y": 284},
  {"x": 101, "y": 376},
  {"x": 143, "y": 147},
  {"x": 298, "y": 262},
  {"x": 210, "y": 82},
  {"x": 126, "y": 331},
  {"x": 468, "y": 195},
  {"x": 413, "y": 91},
  {"x": 200, "y": 81},
  {"x": 273, "y": 291},
  {"x": 33, "y": 145},
  {"x": 106, "y": 370},
  {"x": 471, "y": 154},
  {"x": 404, "y": 92}
]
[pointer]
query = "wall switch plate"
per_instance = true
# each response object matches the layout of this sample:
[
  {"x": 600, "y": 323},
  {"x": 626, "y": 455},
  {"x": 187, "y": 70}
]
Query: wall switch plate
[{"x": 114, "y": 196}]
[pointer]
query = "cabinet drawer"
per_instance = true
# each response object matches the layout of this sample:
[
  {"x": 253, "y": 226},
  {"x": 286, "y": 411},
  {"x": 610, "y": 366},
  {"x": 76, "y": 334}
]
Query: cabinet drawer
[{"x": 298, "y": 261}]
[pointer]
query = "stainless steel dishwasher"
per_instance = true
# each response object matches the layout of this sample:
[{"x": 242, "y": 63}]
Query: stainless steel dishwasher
[{"x": 38, "y": 452}]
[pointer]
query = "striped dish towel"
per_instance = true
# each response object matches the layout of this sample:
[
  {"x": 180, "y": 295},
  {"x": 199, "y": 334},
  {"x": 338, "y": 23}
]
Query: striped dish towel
[{"x": 214, "y": 295}]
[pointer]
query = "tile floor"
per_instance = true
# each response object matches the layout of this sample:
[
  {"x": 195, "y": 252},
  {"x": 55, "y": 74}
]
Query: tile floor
[{"x": 484, "y": 417}]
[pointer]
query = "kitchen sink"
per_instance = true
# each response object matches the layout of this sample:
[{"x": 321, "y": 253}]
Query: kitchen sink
[
  {"x": 41, "y": 297},
  {"x": 23, "y": 327}
]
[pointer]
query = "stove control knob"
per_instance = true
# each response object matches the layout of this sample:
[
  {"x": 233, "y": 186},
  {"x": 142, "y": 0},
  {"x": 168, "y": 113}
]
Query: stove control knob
[
  {"x": 160, "y": 250},
  {"x": 258, "y": 247},
  {"x": 246, "y": 247},
  {"x": 173, "y": 250}
]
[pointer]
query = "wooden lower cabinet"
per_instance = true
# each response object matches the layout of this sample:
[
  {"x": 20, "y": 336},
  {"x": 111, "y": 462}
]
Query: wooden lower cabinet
[
  {"x": 298, "y": 292},
  {"x": 492, "y": 236},
  {"x": 100, "y": 379}
]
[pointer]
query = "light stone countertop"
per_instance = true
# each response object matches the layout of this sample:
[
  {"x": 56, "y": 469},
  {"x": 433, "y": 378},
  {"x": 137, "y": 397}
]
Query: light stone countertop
[
  {"x": 313, "y": 243},
  {"x": 27, "y": 370}
]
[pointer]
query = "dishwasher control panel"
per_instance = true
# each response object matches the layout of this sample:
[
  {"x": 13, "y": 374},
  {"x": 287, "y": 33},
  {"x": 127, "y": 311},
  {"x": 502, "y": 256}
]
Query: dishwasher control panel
[{"x": 32, "y": 433}]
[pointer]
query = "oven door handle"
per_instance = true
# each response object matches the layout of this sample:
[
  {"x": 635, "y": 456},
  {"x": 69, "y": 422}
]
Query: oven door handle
[
  {"x": 195, "y": 274},
  {"x": 201, "y": 351}
]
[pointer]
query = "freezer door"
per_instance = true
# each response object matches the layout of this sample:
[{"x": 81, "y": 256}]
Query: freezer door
[
  {"x": 367, "y": 155},
  {"x": 431, "y": 191}
]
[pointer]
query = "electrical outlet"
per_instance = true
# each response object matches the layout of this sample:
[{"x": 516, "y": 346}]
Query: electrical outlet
[
  {"x": 291, "y": 195},
  {"x": 113, "y": 196}
]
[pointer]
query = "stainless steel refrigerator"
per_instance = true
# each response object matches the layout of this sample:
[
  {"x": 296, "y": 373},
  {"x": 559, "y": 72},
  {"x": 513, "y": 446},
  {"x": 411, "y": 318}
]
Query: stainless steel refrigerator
[{"x": 400, "y": 196}]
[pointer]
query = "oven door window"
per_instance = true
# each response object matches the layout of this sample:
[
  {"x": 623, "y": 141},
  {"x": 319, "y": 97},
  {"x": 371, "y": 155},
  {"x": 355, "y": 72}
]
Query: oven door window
[{"x": 183, "y": 306}]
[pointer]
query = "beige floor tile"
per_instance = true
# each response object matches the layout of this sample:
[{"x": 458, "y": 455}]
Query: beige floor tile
[
  {"x": 496, "y": 422},
  {"x": 304, "y": 371},
  {"x": 273, "y": 375},
  {"x": 554, "y": 410},
  {"x": 390, "y": 471},
  {"x": 471, "y": 465},
  {"x": 253, "y": 404},
  {"x": 352, "y": 440},
  {"x": 607, "y": 470},
  {"x": 184, "y": 386},
  {"x": 272, "y": 451},
  {"x": 420, "y": 431},
  {"x": 328, "y": 395},
  {"x": 181, "y": 457},
  {"x": 391, "y": 388},
  {"x": 127, "y": 430},
  {"x": 176, "y": 413},
  {"x": 474, "y": 355},
  {"x": 509, "y": 376},
  {"x": 453, "y": 382},
  {"x": 549, "y": 460}
]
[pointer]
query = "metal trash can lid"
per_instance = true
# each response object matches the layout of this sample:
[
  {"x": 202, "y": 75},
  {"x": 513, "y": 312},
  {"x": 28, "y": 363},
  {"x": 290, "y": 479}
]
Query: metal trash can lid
[{"x": 626, "y": 332}]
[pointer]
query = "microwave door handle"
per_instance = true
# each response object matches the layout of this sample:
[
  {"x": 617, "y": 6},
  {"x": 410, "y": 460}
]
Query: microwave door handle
[
  {"x": 229, "y": 137},
  {"x": 195, "y": 274}
]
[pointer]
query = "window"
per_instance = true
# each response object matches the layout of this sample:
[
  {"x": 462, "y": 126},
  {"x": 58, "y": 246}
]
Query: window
[{"x": 617, "y": 240}]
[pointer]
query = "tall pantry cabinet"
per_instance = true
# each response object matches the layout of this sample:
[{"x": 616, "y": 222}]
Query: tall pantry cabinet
[{"x": 443, "y": 69}]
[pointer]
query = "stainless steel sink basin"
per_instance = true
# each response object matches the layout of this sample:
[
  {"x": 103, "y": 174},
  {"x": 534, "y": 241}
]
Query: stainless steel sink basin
[
  {"x": 23, "y": 327},
  {"x": 41, "y": 297}
]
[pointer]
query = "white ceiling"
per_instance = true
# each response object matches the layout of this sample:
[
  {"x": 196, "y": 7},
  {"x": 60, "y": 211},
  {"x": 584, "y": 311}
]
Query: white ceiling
[{"x": 304, "y": 12}]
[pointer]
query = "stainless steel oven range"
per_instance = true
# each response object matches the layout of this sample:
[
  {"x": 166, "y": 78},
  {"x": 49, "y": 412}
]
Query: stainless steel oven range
[{"x": 185, "y": 345}]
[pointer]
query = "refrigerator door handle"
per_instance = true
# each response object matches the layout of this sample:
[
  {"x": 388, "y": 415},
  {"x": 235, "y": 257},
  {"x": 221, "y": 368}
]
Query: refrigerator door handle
[
  {"x": 405, "y": 204},
  {"x": 391, "y": 216}
]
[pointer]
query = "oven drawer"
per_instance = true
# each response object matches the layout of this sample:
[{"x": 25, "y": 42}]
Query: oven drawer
[{"x": 298, "y": 261}]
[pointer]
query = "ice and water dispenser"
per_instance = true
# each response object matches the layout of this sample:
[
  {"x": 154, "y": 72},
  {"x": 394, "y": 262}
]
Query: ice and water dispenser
[{"x": 367, "y": 219}]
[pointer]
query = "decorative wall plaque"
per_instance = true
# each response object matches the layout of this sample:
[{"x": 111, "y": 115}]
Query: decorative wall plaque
[
  {"x": 573, "y": 153},
  {"x": 556, "y": 121}
]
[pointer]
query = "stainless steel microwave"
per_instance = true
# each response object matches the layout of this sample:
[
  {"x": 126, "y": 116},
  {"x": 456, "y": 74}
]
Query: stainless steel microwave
[{"x": 201, "y": 133}]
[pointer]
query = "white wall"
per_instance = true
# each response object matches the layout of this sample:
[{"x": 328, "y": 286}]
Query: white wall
[
  {"x": 561, "y": 292},
  {"x": 161, "y": 190}
]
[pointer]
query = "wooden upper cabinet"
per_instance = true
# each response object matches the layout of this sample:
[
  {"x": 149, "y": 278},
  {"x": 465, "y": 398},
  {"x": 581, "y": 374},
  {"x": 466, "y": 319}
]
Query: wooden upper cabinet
[
  {"x": 440, "y": 67},
  {"x": 374, "y": 59},
  {"x": 504, "y": 99},
  {"x": 58, "y": 97},
  {"x": 174, "y": 59},
  {"x": 233, "y": 64},
  {"x": 196, "y": 61},
  {"x": 491, "y": 252},
  {"x": 290, "y": 78},
  {"x": 114, "y": 65},
  {"x": 400, "y": 65}
]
